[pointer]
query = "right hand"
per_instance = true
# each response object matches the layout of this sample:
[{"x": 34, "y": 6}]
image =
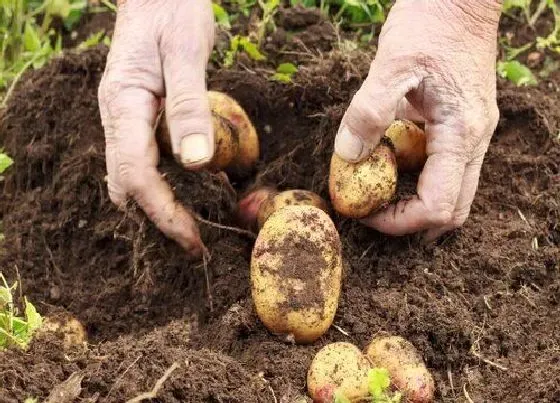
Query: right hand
[{"x": 160, "y": 49}]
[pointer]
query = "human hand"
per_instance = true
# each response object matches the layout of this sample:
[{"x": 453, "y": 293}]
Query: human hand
[
  {"x": 160, "y": 49},
  {"x": 436, "y": 63}
]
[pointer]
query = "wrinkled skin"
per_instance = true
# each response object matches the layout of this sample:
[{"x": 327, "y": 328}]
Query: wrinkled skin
[
  {"x": 160, "y": 49},
  {"x": 435, "y": 64}
]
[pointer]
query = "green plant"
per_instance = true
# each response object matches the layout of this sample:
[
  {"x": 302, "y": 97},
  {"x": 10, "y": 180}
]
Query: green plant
[
  {"x": 221, "y": 15},
  {"x": 269, "y": 8},
  {"x": 5, "y": 162},
  {"x": 516, "y": 72},
  {"x": 238, "y": 44},
  {"x": 379, "y": 383},
  {"x": 284, "y": 72},
  {"x": 16, "y": 330}
]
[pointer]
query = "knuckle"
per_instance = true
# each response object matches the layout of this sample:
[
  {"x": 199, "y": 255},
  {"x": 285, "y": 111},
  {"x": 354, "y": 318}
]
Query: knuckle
[
  {"x": 132, "y": 178},
  {"x": 440, "y": 215}
]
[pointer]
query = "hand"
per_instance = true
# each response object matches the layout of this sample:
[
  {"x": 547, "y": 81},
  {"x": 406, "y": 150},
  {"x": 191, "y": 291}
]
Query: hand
[
  {"x": 160, "y": 49},
  {"x": 436, "y": 63}
]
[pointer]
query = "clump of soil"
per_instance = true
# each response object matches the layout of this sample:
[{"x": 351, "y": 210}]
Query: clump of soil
[{"x": 482, "y": 306}]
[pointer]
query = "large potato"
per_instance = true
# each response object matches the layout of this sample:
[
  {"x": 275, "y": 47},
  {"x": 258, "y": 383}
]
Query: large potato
[
  {"x": 338, "y": 368},
  {"x": 405, "y": 365},
  {"x": 296, "y": 269},
  {"x": 358, "y": 189},
  {"x": 295, "y": 197},
  {"x": 410, "y": 145}
]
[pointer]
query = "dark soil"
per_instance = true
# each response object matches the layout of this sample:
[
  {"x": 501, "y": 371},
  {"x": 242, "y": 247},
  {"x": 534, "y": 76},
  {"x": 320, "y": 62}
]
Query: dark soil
[{"x": 481, "y": 306}]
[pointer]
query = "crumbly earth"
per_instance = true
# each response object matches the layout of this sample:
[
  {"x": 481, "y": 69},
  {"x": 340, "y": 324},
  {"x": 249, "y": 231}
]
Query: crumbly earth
[{"x": 481, "y": 306}]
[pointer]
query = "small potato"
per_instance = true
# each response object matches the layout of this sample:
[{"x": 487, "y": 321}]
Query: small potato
[
  {"x": 228, "y": 108},
  {"x": 405, "y": 365},
  {"x": 410, "y": 145},
  {"x": 69, "y": 328},
  {"x": 338, "y": 368},
  {"x": 296, "y": 270},
  {"x": 358, "y": 189}
]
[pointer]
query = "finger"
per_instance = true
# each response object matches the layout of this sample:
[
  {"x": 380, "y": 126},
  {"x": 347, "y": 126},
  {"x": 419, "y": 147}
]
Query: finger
[
  {"x": 438, "y": 190},
  {"x": 372, "y": 110},
  {"x": 138, "y": 158},
  {"x": 469, "y": 187},
  {"x": 405, "y": 110},
  {"x": 184, "y": 61}
]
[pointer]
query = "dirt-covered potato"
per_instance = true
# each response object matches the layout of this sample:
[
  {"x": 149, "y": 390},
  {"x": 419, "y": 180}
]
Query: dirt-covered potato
[
  {"x": 236, "y": 144},
  {"x": 405, "y": 365},
  {"x": 255, "y": 208},
  {"x": 69, "y": 328},
  {"x": 358, "y": 189},
  {"x": 296, "y": 269},
  {"x": 338, "y": 368},
  {"x": 410, "y": 145}
]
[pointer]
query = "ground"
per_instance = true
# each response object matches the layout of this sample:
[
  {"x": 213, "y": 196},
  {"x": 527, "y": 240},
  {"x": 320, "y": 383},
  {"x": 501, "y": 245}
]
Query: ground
[{"x": 482, "y": 305}]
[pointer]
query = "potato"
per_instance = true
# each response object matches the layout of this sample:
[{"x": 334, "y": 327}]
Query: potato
[
  {"x": 296, "y": 270},
  {"x": 405, "y": 365},
  {"x": 410, "y": 145},
  {"x": 338, "y": 368},
  {"x": 69, "y": 328},
  {"x": 236, "y": 144},
  {"x": 228, "y": 108},
  {"x": 255, "y": 208},
  {"x": 358, "y": 189}
]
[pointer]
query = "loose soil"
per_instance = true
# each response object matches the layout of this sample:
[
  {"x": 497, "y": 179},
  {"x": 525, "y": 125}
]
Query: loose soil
[{"x": 481, "y": 306}]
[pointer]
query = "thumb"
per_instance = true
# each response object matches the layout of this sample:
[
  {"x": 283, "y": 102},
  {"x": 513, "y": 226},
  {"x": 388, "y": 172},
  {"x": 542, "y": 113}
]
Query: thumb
[
  {"x": 372, "y": 110},
  {"x": 184, "y": 60}
]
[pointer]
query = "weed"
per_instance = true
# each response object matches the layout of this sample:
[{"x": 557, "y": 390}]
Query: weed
[
  {"x": 284, "y": 72},
  {"x": 16, "y": 330},
  {"x": 5, "y": 162},
  {"x": 378, "y": 384}
]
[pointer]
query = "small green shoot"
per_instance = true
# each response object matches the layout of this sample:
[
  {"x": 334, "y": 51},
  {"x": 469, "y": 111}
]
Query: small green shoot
[
  {"x": 269, "y": 8},
  {"x": 340, "y": 398},
  {"x": 238, "y": 44},
  {"x": 221, "y": 16},
  {"x": 94, "y": 40},
  {"x": 16, "y": 330},
  {"x": 378, "y": 384},
  {"x": 516, "y": 72},
  {"x": 5, "y": 162},
  {"x": 284, "y": 72},
  {"x": 30, "y": 400}
]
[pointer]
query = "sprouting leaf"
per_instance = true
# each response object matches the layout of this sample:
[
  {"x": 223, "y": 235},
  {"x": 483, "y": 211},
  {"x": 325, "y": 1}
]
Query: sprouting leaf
[
  {"x": 5, "y": 162},
  {"x": 92, "y": 40},
  {"x": 284, "y": 72},
  {"x": 31, "y": 40},
  {"x": 221, "y": 15},
  {"x": 516, "y": 72},
  {"x": 30, "y": 400},
  {"x": 59, "y": 8},
  {"x": 510, "y": 4},
  {"x": 340, "y": 398},
  {"x": 378, "y": 381},
  {"x": 512, "y": 53},
  {"x": 33, "y": 318},
  {"x": 251, "y": 49}
]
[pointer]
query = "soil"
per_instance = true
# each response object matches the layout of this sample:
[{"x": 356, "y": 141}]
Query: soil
[{"x": 481, "y": 306}]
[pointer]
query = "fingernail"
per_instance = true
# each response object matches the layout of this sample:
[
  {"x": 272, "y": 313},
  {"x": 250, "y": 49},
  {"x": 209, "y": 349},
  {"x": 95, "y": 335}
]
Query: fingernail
[
  {"x": 195, "y": 149},
  {"x": 348, "y": 146}
]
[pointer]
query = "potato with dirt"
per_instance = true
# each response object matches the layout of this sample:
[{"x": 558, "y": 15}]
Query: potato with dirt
[
  {"x": 407, "y": 370},
  {"x": 65, "y": 326},
  {"x": 236, "y": 143},
  {"x": 359, "y": 189},
  {"x": 296, "y": 270},
  {"x": 257, "y": 206},
  {"x": 409, "y": 142},
  {"x": 339, "y": 368}
]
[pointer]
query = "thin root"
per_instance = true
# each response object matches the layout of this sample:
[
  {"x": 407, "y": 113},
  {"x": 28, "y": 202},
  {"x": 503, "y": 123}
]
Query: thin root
[
  {"x": 240, "y": 231},
  {"x": 159, "y": 383}
]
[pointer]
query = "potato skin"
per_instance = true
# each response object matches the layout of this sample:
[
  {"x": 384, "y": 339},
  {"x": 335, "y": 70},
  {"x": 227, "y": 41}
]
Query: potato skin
[
  {"x": 410, "y": 145},
  {"x": 293, "y": 197},
  {"x": 405, "y": 365},
  {"x": 249, "y": 148},
  {"x": 296, "y": 269},
  {"x": 66, "y": 325},
  {"x": 338, "y": 367},
  {"x": 358, "y": 189}
]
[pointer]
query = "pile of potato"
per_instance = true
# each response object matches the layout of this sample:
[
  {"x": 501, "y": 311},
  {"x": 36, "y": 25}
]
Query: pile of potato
[{"x": 294, "y": 226}]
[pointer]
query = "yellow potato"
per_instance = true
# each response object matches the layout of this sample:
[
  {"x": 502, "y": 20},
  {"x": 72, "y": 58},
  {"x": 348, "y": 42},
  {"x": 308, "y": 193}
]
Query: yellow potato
[
  {"x": 358, "y": 189},
  {"x": 65, "y": 325},
  {"x": 296, "y": 270},
  {"x": 338, "y": 368},
  {"x": 405, "y": 365},
  {"x": 410, "y": 145},
  {"x": 296, "y": 197},
  {"x": 228, "y": 108}
]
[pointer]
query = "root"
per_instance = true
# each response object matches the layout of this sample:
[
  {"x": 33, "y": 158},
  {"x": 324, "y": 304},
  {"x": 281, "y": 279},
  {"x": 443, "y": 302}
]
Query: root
[
  {"x": 240, "y": 231},
  {"x": 159, "y": 383}
]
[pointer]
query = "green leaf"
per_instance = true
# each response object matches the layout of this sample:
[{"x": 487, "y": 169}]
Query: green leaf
[
  {"x": 282, "y": 77},
  {"x": 510, "y": 4},
  {"x": 5, "y": 162},
  {"x": 59, "y": 8},
  {"x": 286, "y": 68},
  {"x": 378, "y": 381},
  {"x": 221, "y": 15},
  {"x": 251, "y": 49},
  {"x": 92, "y": 40},
  {"x": 512, "y": 53},
  {"x": 516, "y": 72},
  {"x": 31, "y": 40},
  {"x": 340, "y": 398},
  {"x": 34, "y": 319},
  {"x": 30, "y": 400}
]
